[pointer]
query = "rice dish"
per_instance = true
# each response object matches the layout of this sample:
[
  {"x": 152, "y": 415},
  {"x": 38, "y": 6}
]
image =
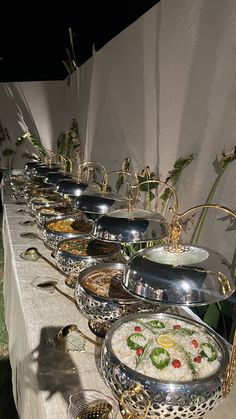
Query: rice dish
[{"x": 166, "y": 349}]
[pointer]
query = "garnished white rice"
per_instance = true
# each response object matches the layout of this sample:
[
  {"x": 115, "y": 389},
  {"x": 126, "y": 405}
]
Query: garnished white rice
[{"x": 183, "y": 345}]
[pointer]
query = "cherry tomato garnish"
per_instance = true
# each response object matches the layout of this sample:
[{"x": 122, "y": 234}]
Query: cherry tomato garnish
[
  {"x": 198, "y": 359},
  {"x": 176, "y": 363},
  {"x": 139, "y": 351},
  {"x": 195, "y": 343},
  {"x": 137, "y": 329}
]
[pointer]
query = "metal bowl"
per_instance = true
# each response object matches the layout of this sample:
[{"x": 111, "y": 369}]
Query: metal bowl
[
  {"x": 52, "y": 237},
  {"x": 99, "y": 203},
  {"x": 44, "y": 201},
  {"x": 56, "y": 212},
  {"x": 72, "y": 264},
  {"x": 196, "y": 276},
  {"x": 53, "y": 177},
  {"x": 168, "y": 399},
  {"x": 112, "y": 302},
  {"x": 36, "y": 190},
  {"x": 126, "y": 226}
]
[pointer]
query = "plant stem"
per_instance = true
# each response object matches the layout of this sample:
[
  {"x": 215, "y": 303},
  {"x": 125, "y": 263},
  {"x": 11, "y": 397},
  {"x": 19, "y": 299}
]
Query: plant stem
[{"x": 202, "y": 217}]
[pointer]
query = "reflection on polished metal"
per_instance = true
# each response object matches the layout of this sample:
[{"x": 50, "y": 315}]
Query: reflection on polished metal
[
  {"x": 53, "y": 177},
  {"x": 195, "y": 277},
  {"x": 102, "y": 203},
  {"x": 73, "y": 188},
  {"x": 126, "y": 226},
  {"x": 133, "y": 225},
  {"x": 99, "y": 203},
  {"x": 42, "y": 170},
  {"x": 30, "y": 165}
]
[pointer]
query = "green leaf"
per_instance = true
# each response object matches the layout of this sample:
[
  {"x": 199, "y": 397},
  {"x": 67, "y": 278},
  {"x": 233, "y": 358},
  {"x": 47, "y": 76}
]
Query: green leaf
[
  {"x": 35, "y": 142},
  {"x": 8, "y": 152},
  {"x": 175, "y": 173},
  {"x": 146, "y": 187},
  {"x": 212, "y": 316},
  {"x": 119, "y": 182}
]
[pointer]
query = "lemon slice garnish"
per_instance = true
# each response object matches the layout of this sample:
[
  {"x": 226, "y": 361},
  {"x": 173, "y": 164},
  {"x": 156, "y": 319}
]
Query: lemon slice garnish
[{"x": 166, "y": 341}]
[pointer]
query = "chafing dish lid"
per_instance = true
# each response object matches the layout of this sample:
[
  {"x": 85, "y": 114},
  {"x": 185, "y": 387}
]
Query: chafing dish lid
[
  {"x": 98, "y": 203},
  {"x": 71, "y": 187},
  {"x": 195, "y": 277},
  {"x": 130, "y": 226},
  {"x": 53, "y": 177},
  {"x": 43, "y": 170}
]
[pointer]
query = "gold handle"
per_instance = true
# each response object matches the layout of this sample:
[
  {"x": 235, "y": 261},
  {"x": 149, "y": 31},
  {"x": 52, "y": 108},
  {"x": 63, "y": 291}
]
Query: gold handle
[
  {"x": 135, "y": 390},
  {"x": 176, "y": 204},
  {"x": 120, "y": 172},
  {"x": 216, "y": 206},
  {"x": 93, "y": 165}
]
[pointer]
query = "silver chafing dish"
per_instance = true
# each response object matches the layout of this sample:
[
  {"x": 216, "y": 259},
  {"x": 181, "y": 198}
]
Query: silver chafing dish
[
  {"x": 103, "y": 202},
  {"x": 40, "y": 171},
  {"x": 163, "y": 398},
  {"x": 125, "y": 226},
  {"x": 53, "y": 177},
  {"x": 78, "y": 226},
  {"x": 31, "y": 191},
  {"x": 175, "y": 274},
  {"x": 62, "y": 209},
  {"x": 76, "y": 187},
  {"x": 76, "y": 254},
  {"x": 30, "y": 165},
  {"x": 43, "y": 201},
  {"x": 194, "y": 276},
  {"x": 99, "y": 203},
  {"x": 101, "y": 298}
]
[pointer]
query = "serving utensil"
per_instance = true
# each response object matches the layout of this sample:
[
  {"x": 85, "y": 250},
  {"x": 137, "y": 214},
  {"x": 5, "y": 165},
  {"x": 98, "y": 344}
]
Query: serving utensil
[
  {"x": 92, "y": 404},
  {"x": 30, "y": 235},
  {"x": 27, "y": 223},
  {"x": 99, "y": 409}
]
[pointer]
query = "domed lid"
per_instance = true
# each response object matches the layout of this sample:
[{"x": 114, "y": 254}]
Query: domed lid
[
  {"x": 43, "y": 170},
  {"x": 192, "y": 276},
  {"x": 71, "y": 187},
  {"x": 29, "y": 165},
  {"x": 130, "y": 226},
  {"x": 99, "y": 203},
  {"x": 53, "y": 177}
]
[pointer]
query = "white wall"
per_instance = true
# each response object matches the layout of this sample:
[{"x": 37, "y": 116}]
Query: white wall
[
  {"x": 162, "y": 89},
  {"x": 41, "y": 105}
]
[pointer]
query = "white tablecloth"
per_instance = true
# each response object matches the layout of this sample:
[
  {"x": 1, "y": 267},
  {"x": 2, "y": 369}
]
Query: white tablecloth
[{"x": 42, "y": 376}]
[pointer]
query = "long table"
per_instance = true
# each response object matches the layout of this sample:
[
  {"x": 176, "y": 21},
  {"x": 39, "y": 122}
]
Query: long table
[{"x": 43, "y": 376}]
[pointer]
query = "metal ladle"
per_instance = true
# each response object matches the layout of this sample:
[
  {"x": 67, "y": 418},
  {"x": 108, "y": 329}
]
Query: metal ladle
[
  {"x": 33, "y": 252},
  {"x": 99, "y": 409},
  {"x": 30, "y": 235}
]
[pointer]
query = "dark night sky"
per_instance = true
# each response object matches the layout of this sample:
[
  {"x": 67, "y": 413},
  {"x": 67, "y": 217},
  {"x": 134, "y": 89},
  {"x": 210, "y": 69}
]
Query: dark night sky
[{"x": 34, "y": 39}]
